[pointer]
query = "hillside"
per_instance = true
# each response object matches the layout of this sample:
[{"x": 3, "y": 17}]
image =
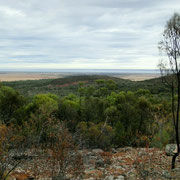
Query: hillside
[
  {"x": 119, "y": 164},
  {"x": 81, "y": 114},
  {"x": 70, "y": 84}
]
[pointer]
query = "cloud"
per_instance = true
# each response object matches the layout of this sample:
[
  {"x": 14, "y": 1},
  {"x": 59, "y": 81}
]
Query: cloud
[{"x": 82, "y": 33}]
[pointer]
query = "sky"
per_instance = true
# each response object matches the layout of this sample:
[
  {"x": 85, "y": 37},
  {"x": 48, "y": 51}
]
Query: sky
[{"x": 82, "y": 34}]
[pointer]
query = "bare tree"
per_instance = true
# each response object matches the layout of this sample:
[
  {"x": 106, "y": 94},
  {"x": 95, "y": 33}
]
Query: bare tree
[{"x": 170, "y": 70}]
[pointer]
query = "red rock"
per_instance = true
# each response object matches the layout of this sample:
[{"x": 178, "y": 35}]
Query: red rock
[{"x": 20, "y": 175}]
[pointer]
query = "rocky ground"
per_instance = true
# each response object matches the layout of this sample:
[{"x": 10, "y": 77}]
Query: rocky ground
[{"x": 120, "y": 164}]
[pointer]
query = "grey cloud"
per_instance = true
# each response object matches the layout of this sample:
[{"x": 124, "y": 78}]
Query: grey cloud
[{"x": 83, "y": 31}]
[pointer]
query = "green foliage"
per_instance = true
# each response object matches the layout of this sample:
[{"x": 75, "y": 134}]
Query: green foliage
[
  {"x": 160, "y": 139},
  {"x": 100, "y": 81},
  {"x": 10, "y": 102},
  {"x": 39, "y": 114},
  {"x": 69, "y": 110},
  {"x": 120, "y": 134},
  {"x": 112, "y": 85},
  {"x": 46, "y": 103},
  {"x": 71, "y": 84},
  {"x": 105, "y": 111},
  {"x": 97, "y": 135},
  {"x": 143, "y": 92}
]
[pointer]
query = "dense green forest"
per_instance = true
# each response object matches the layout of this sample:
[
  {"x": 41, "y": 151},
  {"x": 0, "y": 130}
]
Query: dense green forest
[{"x": 99, "y": 111}]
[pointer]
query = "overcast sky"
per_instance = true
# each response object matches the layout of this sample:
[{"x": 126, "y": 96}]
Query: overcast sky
[{"x": 102, "y": 34}]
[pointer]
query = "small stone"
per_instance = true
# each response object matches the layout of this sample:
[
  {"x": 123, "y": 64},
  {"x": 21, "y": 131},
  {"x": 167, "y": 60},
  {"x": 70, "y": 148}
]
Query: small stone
[
  {"x": 166, "y": 174},
  {"x": 109, "y": 178},
  {"x": 114, "y": 150},
  {"x": 120, "y": 178},
  {"x": 125, "y": 149},
  {"x": 131, "y": 175},
  {"x": 177, "y": 172},
  {"x": 176, "y": 169},
  {"x": 142, "y": 153},
  {"x": 171, "y": 149},
  {"x": 97, "y": 151},
  {"x": 99, "y": 163},
  {"x": 144, "y": 174}
]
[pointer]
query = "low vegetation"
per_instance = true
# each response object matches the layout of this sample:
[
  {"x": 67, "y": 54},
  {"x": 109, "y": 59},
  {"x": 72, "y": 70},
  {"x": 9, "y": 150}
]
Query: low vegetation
[{"x": 96, "y": 113}]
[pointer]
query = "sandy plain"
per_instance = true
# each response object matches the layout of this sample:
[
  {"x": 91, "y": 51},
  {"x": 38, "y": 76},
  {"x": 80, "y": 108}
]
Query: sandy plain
[
  {"x": 27, "y": 76},
  {"x": 20, "y": 76},
  {"x": 137, "y": 77}
]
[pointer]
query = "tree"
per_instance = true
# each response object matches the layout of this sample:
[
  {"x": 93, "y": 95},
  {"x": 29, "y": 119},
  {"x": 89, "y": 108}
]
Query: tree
[
  {"x": 171, "y": 68},
  {"x": 10, "y": 102},
  {"x": 41, "y": 112}
]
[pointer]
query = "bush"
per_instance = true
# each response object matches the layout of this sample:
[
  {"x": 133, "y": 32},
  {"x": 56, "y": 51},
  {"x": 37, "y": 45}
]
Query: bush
[{"x": 97, "y": 135}]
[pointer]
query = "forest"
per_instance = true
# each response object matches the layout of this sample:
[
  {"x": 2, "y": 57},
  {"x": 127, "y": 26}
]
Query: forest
[{"x": 106, "y": 113}]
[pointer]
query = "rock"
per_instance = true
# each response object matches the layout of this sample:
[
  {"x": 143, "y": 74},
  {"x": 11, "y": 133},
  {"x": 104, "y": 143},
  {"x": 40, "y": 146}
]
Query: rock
[
  {"x": 166, "y": 174},
  {"x": 109, "y": 178},
  {"x": 125, "y": 149},
  {"x": 97, "y": 151},
  {"x": 171, "y": 149},
  {"x": 125, "y": 163},
  {"x": 97, "y": 174},
  {"x": 142, "y": 153},
  {"x": 131, "y": 175},
  {"x": 114, "y": 150},
  {"x": 120, "y": 178},
  {"x": 176, "y": 169},
  {"x": 19, "y": 176},
  {"x": 176, "y": 172},
  {"x": 99, "y": 163},
  {"x": 144, "y": 174}
]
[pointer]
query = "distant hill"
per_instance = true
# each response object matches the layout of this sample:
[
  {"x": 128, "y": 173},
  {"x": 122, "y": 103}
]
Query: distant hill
[{"x": 70, "y": 84}]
